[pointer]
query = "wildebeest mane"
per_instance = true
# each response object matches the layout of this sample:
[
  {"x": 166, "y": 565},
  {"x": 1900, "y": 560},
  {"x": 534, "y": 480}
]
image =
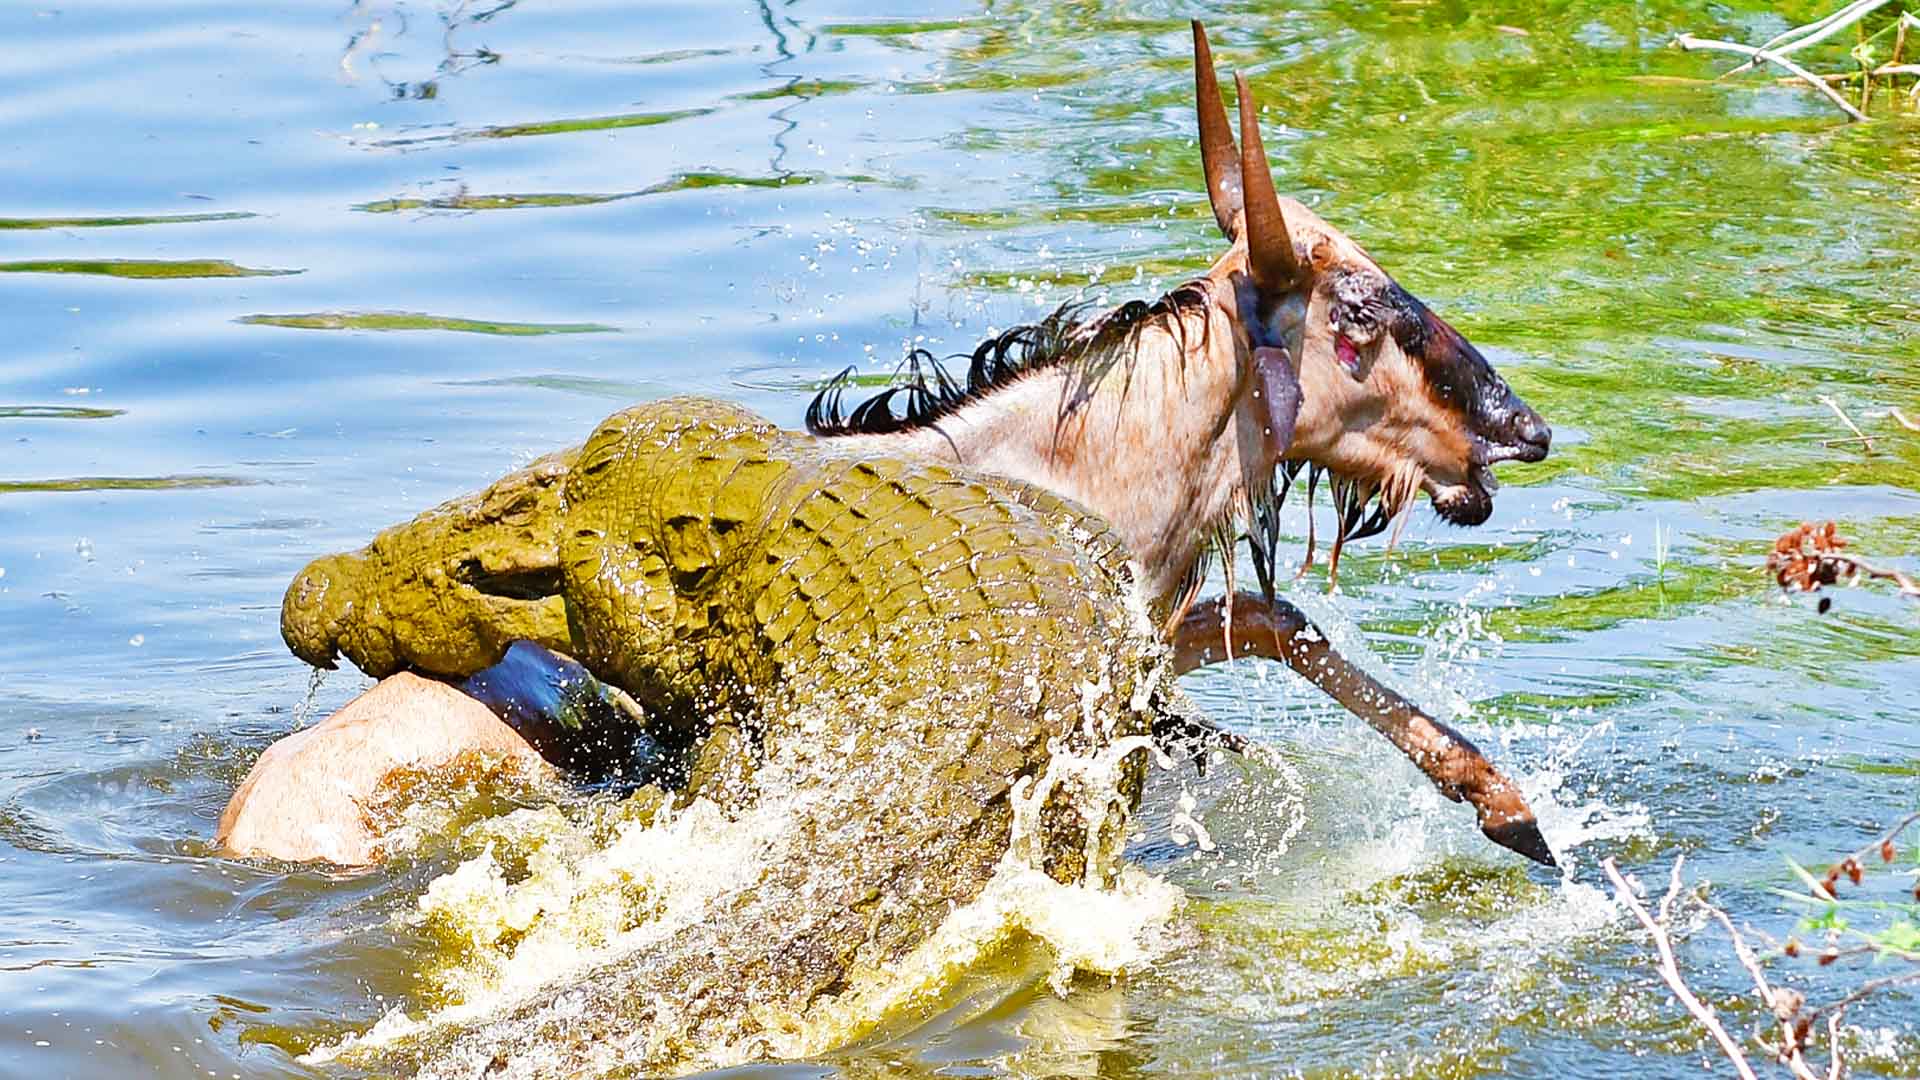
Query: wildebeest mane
[{"x": 924, "y": 392}]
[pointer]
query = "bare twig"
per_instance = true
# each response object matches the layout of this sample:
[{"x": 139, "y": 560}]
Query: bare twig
[
  {"x": 1785, "y": 1005},
  {"x": 1813, "y": 33},
  {"x": 1670, "y": 968},
  {"x": 1901, "y": 419},
  {"x": 1689, "y": 42},
  {"x": 1847, "y": 420},
  {"x": 1881, "y": 848},
  {"x": 1864, "y": 991},
  {"x": 1833, "y": 1040},
  {"x": 1887, "y": 69}
]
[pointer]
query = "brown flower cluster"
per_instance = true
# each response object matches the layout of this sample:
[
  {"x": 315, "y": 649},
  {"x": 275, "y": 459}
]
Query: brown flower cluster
[
  {"x": 1810, "y": 556},
  {"x": 1807, "y": 557}
]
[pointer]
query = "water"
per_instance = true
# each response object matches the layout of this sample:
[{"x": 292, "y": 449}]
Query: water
[{"x": 577, "y": 206}]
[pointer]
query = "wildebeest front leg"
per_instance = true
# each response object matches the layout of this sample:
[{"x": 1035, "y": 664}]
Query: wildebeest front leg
[{"x": 1277, "y": 630}]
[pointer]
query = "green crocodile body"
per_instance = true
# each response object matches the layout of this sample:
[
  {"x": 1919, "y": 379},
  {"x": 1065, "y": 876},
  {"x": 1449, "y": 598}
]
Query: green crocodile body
[{"x": 913, "y": 641}]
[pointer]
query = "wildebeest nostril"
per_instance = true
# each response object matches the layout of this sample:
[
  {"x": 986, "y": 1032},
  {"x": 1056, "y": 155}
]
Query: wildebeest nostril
[{"x": 1532, "y": 434}]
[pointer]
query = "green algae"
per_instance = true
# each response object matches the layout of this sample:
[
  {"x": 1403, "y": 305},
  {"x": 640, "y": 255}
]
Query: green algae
[
  {"x": 488, "y": 202},
  {"x": 585, "y": 385},
  {"x": 567, "y": 126},
  {"x": 184, "y": 482},
  {"x": 898, "y": 27},
  {"x": 802, "y": 88},
  {"x": 57, "y": 412},
  {"x": 684, "y": 181},
  {"x": 141, "y": 268},
  {"x": 406, "y": 320},
  {"x": 117, "y": 222}
]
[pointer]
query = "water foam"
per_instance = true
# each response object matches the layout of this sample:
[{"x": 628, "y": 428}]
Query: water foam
[{"x": 556, "y": 891}]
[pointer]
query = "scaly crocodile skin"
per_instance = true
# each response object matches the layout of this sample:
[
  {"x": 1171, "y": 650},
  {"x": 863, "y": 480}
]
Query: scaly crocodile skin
[{"x": 908, "y": 638}]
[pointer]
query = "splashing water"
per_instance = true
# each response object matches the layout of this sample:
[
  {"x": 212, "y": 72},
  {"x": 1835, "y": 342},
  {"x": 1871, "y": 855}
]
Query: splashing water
[
  {"x": 303, "y": 712},
  {"x": 551, "y": 895}
]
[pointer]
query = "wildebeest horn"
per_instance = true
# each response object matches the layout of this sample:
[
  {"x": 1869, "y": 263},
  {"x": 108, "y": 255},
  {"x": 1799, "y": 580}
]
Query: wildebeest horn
[
  {"x": 1269, "y": 244},
  {"x": 1217, "y": 152}
]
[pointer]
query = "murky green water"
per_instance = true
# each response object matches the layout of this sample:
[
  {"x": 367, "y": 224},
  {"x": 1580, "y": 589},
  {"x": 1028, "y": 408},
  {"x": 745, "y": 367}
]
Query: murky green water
[{"x": 275, "y": 277}]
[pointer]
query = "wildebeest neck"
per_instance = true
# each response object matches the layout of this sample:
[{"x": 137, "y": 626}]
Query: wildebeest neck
[{"x": 1164, "y": 437}]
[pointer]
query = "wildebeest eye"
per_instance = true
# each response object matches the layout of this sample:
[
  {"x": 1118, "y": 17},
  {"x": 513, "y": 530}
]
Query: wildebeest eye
[{"x": 1357, "y": 311}]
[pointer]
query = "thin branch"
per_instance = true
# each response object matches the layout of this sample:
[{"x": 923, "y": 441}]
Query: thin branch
[
  {"x": 1670, "y": 968},
  {"x": 1689, "y": 42},
  {"x": 1816, "y": 31},
  {"x": 1864, "y": 991},
  {"x": 1847, "y": 420},
  {"x": 1880, "y": 847},
  {"x": 1887, "y": 69},
  {"x": 1783, "y": 1004},
  {"x": 1833, "y": 1040},
  {"x": 1901, "y": 419}
]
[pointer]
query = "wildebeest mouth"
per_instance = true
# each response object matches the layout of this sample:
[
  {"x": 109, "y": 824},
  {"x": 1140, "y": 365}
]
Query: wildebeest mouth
[{"x": 1471, "y": 503}]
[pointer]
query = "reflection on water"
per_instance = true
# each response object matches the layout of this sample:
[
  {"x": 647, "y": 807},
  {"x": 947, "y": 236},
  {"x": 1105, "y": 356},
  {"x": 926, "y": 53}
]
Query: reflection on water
[{"x": 1672, "y": 269}]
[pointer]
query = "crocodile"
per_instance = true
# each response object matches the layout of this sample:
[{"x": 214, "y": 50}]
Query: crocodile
[{"x": 866, "y": 626}]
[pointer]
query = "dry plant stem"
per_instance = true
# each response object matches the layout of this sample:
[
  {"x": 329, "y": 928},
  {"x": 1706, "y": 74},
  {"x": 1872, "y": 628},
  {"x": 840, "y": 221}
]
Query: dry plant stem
[
  {"x": 1874, "y": 849},
  {"x": 1689, "y": 42},
  {"x": 1901, "y": 419},
  {"x": 1783, "y": 1004},
  {"x": 1865, "y": 990},
  {"x": 1908, "y": 586},
  {"x": 1784, "y": 1008},
  {"x": 1847, "y": 420},
  {"x": 1884, "y": 70},
  {"x": 1670, "y": 968},
  {"x": 1815, "y": 32},
  {"x": 1866, "y": 80}
]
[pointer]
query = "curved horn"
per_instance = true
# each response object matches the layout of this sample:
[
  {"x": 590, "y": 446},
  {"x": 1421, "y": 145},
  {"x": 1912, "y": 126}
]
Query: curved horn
[
  {"x": 1269, "y": 244},
  {"x": 1217, "y": 152}
]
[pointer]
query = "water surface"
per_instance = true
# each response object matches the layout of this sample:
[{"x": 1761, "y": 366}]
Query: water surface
[{"x": 274, "y": 278}]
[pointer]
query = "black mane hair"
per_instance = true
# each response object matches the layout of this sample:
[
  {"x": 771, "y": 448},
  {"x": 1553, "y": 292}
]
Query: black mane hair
[{"x": 926, "y": 393}]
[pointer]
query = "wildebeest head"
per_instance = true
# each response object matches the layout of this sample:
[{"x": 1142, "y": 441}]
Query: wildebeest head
[
  {"x": 1391, "y": 399},
  {"x": 1293, "y": 351}
]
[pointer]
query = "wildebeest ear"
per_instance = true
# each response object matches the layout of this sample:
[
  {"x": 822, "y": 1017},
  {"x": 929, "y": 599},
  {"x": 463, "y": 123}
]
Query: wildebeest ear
[
  {"x": 1270, "y": 255},
  {"x": 1218, "y": 155}
]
